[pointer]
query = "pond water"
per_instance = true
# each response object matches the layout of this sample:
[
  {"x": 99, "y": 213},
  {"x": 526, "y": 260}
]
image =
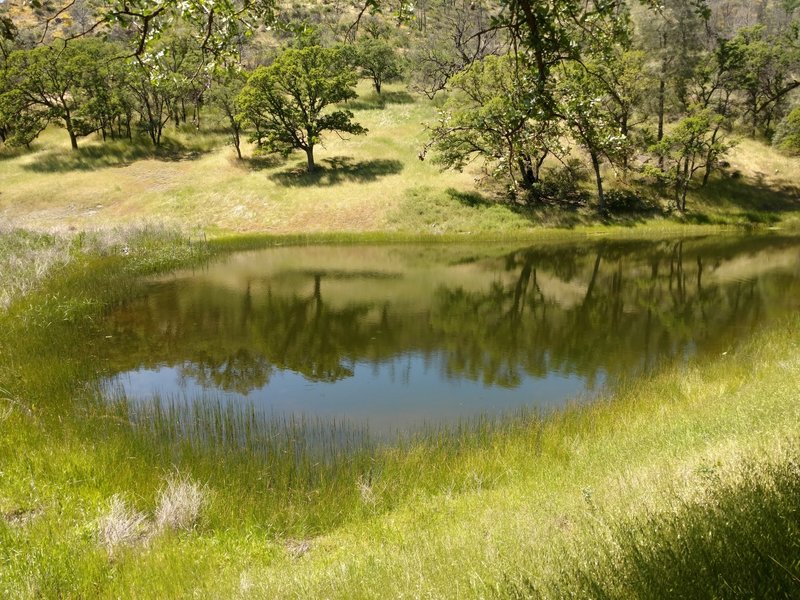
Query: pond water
[{"x": 396, "y": 336}]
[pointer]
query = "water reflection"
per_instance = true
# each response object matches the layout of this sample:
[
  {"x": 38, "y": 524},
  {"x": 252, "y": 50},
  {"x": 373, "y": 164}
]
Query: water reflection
[{"x": 394, "y": 335}]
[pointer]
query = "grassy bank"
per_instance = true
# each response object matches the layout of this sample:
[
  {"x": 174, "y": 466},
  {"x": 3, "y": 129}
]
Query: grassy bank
[
  {"x": 374, "y": 183},
  {"x": 634, "y": 494}
]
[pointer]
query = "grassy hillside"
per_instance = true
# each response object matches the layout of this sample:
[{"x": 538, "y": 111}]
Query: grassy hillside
[{"x": 370, "y": 183}]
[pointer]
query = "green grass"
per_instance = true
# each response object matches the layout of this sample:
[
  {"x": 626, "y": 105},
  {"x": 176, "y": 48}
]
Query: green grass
[{"x": 591, "y": 499}]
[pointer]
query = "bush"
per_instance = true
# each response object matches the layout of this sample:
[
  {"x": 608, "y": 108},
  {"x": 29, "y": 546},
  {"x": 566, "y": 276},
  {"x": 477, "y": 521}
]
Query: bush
[
  {"x": 562, "y": 185},
  {"x": 626, "y": 201},
  {"x": 787, "y": 134}
]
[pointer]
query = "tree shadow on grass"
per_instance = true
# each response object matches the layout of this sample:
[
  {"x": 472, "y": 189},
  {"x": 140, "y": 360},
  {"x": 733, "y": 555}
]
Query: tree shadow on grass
[
  {"x": 7, "y": 153},
  {"x": 757, "y": 198},
  {"x": 263, "y": 162},
  {"x": 337, "y": 170},
  {"x": 117, "y": 153},
  {"x": 566, "y": 213},
  {"x": 375, "y": 101},
  {"x": 471, "y": 199}
]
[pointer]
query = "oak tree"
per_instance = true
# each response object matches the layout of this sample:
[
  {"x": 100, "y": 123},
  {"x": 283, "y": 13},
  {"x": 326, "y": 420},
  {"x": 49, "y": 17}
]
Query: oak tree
[{"x": 286, "y": 101}]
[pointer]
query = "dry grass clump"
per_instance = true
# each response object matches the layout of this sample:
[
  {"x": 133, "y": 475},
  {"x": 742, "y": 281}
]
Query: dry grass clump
[
  {"x": 179, "y": 504},
  {"x": 121, "y": 526},
  {"x": 25, "y": 259}
]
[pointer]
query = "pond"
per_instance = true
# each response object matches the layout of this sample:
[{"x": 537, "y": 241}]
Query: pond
[{"x": 395, "y": 337}]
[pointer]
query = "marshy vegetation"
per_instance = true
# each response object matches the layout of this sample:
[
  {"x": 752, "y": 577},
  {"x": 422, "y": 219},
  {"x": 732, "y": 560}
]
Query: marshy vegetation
[{"x": 516, "y": 505}]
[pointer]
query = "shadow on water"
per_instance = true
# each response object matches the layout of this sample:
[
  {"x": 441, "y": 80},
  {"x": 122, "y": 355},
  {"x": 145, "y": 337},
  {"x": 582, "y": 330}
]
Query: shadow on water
[
  {"x": 375, "y": 101},
  {"x": 115, "y": 154},
  {"x": 337, "y": 170}
]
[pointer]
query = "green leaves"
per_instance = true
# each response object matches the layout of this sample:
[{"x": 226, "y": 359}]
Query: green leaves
[
  {"x": 493, "y": 114},
  {"x": 285, "y": 101},
  {"x": 378, "y": 61},
  {"x": 55, "y": 83},
  {"x": 787, "y": 134},
  {"x": 694, "y": 143}
]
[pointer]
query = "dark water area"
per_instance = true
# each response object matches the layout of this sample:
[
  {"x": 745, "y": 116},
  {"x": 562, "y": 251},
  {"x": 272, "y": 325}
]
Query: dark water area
[{"x": 396, "y": 336}]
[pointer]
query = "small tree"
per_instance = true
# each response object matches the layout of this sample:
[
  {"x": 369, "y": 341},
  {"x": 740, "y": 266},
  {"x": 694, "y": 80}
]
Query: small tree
[
  {"x": 589, "y": 115},
  {"x": 286, "y": 101},
  {"x": 224, "y": 93},
  {"x": 492, "y": 115},
  {"x": 57, "y": 81},
  {"x": 153, "y": 92},
  {"x": 378, "y": 61},
  {"x": 692, "y": 145},
  {"x": 20, "y": 123}
]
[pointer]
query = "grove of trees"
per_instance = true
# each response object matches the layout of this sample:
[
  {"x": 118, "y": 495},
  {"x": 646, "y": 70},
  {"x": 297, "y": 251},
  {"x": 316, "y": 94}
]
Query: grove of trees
[{"x": 539, "y": 94}]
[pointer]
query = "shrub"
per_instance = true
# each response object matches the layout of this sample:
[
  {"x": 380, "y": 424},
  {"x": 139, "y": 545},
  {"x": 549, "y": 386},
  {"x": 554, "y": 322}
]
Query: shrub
[{"x": 787, "y": 134}]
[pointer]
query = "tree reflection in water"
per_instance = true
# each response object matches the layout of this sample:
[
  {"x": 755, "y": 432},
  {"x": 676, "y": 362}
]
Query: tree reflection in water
[{"x": 601, "y": 312}]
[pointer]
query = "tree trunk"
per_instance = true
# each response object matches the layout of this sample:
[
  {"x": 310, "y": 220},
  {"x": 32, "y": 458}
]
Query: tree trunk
[
  {"x": 662, "y": 89},
  {"x": 310, "y": 156},
  {"x": 601, "y": 199},
  {"x": 378, "y": 86},
  {"x": 709, "y": 158},
  {"x": 73, "y": 139},
  {"x": 526, "y": 169},
  {"x": 237, "y": 142},
  {"x": 623, "y": 128}
]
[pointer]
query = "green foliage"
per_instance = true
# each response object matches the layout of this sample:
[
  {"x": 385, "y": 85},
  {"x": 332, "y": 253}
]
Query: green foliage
[
  {"x": 286, "y": 101},
  {"x": 20, "y": 123},
  {"x": 224, "y": 94},
  {"x": 378, "y": 61},
  {"x": 71, "y": 84},
  {"x": 763, "y": 67},
  {"x": 583, "y": 100},
  {"x": 492, "y": 115},
  {"x": 787, "y": 134},
  {"x": 693, "y": 144}
]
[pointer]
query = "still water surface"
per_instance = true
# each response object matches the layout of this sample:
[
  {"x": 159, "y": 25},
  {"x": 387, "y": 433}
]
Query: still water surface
[{"x": 395, "y": 336}]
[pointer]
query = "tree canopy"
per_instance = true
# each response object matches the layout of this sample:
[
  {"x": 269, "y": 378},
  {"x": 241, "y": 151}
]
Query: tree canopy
[{"x": 286, "y": 100}]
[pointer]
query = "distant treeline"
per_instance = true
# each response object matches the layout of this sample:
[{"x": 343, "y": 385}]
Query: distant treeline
[{"x": 541, "y": 94}]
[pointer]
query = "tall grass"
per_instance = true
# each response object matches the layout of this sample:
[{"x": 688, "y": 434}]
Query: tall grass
[
  {"x": 25, "y": 259},
  {"x": 741, "y": 540}
]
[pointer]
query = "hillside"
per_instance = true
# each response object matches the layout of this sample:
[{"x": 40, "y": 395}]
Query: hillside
[{"x": 368, "y": 183}]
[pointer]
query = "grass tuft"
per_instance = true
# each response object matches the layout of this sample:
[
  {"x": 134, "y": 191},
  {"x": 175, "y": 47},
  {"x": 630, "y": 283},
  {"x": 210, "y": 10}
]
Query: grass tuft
[
  {"x": 121, "y": 526},
  {"x": 179, "y": 504}
]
